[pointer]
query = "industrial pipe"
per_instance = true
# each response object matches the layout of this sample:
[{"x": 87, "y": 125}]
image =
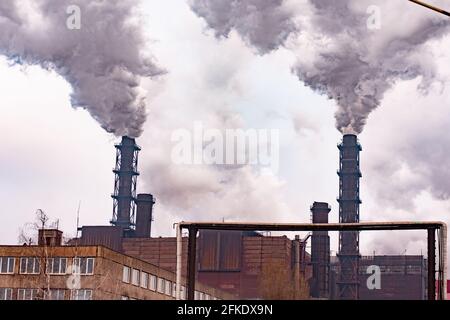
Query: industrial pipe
[{"x": 426, "y": 5}]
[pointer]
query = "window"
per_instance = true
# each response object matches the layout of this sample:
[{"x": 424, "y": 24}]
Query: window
[
  {"x": 196, "y": 295},
  {"x": 27, "y": 294},
  {"x": 126, "y": 274},
  {"x": 6, "y": 294},
  {"x": 183, "y": 292},
  {"x": 29, "y": 265},
  {"x": 168, "y": 288},
  {"x": 82, "y": 294},
  {"x": 144, "y": 280},
  {"x": 85, "y": 265},
  {"x": 56, "y": 265},
  {"x": 153, "y": 283},
  {"x": 7, "y": 265},
  {"x": 56, "y": 294},
  {"x": 135, "y": 277},
  {"x": 201, "y": 296},
  {"x": 174, "y": 290},
  {"x": 161, "y": 285},
  {"x": 207, "y": 297},
  {"x": 124, "y": 298}
]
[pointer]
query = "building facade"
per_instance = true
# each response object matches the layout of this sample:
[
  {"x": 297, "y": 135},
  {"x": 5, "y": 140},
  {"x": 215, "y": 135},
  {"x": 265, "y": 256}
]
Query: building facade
[{"x": 86, "y": 273}]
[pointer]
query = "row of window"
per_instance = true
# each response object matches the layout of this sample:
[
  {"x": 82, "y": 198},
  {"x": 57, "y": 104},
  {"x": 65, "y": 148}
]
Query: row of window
[
  {"x": 148, "y": 281},
  {"x": 395, "y": 269},
  {"x": 52, "y": 294},
  {"x": 56, "y": 265}
]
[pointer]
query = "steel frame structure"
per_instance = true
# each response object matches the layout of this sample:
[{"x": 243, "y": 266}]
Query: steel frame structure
[
  {"x": 125, "y": 183},
  {"x": 349, "y": 200},
  {"x": 431, "y": 227}
]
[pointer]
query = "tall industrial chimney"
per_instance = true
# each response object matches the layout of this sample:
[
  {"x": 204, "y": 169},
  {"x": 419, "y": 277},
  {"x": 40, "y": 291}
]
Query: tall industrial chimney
[
  {"x": 320, "y": 252},
  {"x": 126, "y": 173},
  {"x": 349, "y": 201},
  {"x": 144, "y": 215}
]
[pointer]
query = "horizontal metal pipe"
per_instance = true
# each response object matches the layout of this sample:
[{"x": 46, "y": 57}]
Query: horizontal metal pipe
[
  {"x": 429, "y": 6},
  {"x": 402, "y": 225}
]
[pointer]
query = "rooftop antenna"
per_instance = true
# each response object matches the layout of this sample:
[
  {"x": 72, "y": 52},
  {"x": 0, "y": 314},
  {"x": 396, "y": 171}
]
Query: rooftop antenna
[{"x": 429, "y": 6}]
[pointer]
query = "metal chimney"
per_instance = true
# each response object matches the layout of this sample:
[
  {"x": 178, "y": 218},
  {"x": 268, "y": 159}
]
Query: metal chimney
[
  {"x": 320, "y": 252},
  {"x": 144, "y": 215},
  {"x": 349, "y": 201},
  {"x": 126, "y": 174}
]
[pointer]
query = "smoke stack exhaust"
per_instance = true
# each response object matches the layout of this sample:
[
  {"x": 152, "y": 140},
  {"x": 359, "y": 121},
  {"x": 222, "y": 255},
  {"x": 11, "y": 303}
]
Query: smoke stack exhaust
[
  {"x": 320, "y": 252},
  {"x": 126, "y": 174},
  {"x": 144, "y": 215},
  {"x": 349, "y": 201}
]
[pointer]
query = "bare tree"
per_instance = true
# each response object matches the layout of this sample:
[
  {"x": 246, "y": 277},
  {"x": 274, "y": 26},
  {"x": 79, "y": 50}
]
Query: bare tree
[
  {"x": 29, "y": 235},
  {"x": 277, "y": 283}
]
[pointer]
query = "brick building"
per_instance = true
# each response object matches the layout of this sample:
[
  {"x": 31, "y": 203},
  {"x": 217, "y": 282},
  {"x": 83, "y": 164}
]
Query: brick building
[{"x": 85, "y": 273}]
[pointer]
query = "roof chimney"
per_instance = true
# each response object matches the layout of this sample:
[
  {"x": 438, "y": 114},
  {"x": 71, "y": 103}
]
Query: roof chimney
[
  {"x": 50, "y": 237},
  {"x": 320, "y": 252},
  {"x": 144, "y": 215}
]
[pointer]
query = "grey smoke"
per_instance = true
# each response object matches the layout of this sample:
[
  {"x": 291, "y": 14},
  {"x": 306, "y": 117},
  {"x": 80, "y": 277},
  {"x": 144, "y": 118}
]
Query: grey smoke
[
  {"x": 265, "y": 24},
  {"x": 104, "y": 61},
  {"x": 338, "y": 55}
]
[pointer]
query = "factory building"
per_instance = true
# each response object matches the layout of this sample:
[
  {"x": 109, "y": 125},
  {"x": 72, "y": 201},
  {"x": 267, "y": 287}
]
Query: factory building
[
  {"x": 239, "y": 262},
  {"x": 233, "y": 264}
]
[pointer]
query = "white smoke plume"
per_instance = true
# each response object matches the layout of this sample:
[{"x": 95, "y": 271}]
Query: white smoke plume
[
  {"x": 104, "y": 60},
  {"x": 351, "y": 50}
]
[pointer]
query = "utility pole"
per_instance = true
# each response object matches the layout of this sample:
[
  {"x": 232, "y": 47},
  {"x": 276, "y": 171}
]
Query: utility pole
[{"x": 429, "y": 6}]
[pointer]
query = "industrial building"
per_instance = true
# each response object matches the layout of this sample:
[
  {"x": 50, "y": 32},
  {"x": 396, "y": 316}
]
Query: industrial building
[
  {"x": 51, "y": 271},
  {"x": 237, "y": 264}
]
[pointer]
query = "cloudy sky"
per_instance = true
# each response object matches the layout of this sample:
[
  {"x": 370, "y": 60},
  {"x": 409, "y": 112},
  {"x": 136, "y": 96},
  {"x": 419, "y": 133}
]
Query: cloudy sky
[{"x": 235, "y": 75}]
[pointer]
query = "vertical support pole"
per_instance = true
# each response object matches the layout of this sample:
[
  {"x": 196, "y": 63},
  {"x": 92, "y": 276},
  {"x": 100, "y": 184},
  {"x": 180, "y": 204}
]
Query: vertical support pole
[
  {"x": 179, "y": 262},
  {"x": 192, "y": 255},
  {"x": 431, "y": 264},
  {"x": 297, "y": 263},
  {"x": 443, "y": 257}
]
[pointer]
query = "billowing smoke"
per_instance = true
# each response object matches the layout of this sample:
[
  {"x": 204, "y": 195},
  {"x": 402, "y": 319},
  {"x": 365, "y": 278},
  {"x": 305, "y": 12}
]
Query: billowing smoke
[
  {"x": 103, "y": 60},
  {"x": 353, "y": 51},
  {"x": 265, "y": 24}
]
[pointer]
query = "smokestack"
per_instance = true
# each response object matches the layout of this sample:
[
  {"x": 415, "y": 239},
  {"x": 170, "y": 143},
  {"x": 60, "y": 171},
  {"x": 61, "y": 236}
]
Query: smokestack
[
  {"x": 349, "y": 175},
  {"x": 50, "y": 237},
  {"x": 320, "y": 252},
  {"x": 125, "y": 183},
  {"x": 144, "y": 215}
]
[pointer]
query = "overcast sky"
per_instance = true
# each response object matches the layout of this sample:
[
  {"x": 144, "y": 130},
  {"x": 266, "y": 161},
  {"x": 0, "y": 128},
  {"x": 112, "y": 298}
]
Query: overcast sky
[{"x": 53, "y": 156}]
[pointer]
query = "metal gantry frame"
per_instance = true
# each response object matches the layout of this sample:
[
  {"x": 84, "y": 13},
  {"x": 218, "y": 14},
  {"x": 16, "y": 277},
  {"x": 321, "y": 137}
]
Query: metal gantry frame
[
  {"x": 349, "y": 200},
  {"x": 125, "y": 176},
  {"x": 431, "y": 227}
]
